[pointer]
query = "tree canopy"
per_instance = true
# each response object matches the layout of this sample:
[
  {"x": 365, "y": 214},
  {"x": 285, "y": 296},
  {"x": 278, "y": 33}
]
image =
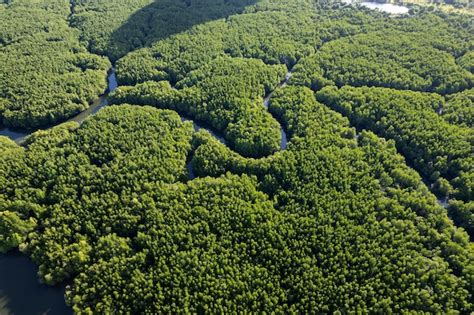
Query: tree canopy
[
  {"x": 46, "y": 74},
  {"x": 141, "y": 209}
]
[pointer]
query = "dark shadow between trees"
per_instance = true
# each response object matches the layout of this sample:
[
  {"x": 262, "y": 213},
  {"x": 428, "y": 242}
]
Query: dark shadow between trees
[
  {"x": 20, "y": 291},
  {"x": 164, "y": 18}
]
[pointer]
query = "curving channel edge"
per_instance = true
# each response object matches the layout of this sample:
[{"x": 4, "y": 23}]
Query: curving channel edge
[{"x": 18, "y": 135}]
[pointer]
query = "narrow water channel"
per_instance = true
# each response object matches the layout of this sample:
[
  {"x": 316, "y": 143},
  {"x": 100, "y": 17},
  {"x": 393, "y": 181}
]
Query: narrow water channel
[
  {"x": 266, "y": 103},
  {"x": 99, "y": 103},
  {"x": 18, "y": 135},
  {"x": 20, "y": 291}
]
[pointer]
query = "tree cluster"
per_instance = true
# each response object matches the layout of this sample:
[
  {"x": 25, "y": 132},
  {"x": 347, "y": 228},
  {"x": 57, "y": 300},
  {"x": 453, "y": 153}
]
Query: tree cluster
[
  {"x": 331, "y": 224},
  {"x": 226, "y": 94},
  {"x": 436, "y": 148},
  {"x": 46, "y": 74},
  {"x": 336, "y": 223},
  {"x": 393, "y": 59}
]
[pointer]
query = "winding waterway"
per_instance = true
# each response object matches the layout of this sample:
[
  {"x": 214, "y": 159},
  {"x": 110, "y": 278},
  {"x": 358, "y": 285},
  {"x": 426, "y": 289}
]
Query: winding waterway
[
  {"x": 266, "y": 103},
  {"x": 20, "y": 291},
  {"x": 18, "y": 135},
  {"x": 99, "y": 103}
]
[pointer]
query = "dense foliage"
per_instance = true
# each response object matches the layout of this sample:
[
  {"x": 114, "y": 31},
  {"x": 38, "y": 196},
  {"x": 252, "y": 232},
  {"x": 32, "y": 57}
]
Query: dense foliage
[
  {"x": 140, "y": 212},
  {"x": 116, "y": 27},
  {"x": 46, "y": 74},
  {"x": 412, "y": 61},
  {"x": 226, "y": 94},
  {"x": 222, "y": 69},
  {"x": 269, "y": 31},
  {"x": 435, "y": 147},
  {"x": 459, "y": 109},
  {"x": 333, "y": 215}
]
